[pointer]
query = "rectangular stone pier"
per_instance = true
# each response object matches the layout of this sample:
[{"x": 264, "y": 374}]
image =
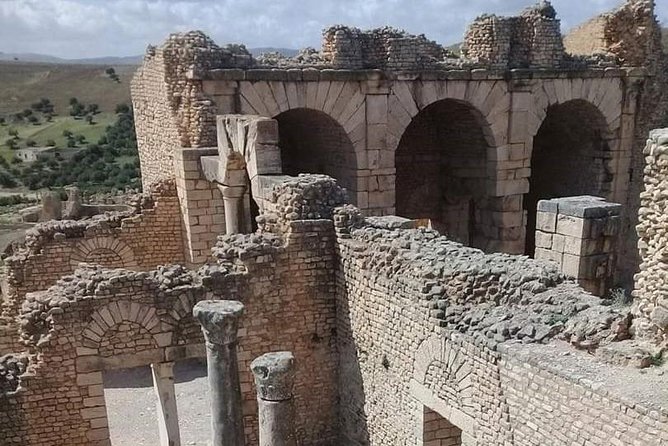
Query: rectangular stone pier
[{"x": 580, "y": 235}]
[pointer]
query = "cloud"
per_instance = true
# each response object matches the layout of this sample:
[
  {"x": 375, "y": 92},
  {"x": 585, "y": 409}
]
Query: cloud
[{"x": 89, "y": 28}]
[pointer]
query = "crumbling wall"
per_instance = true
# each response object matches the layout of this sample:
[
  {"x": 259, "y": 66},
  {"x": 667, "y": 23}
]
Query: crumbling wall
[
  {"x": 143, "y": 238},
  {"x": 531, "y": 40},
  {"x": 101, "y": 319},
  {"x": 425, "y": 322},
  {"x": 651, "y": 299},
  {"x": 630, "y": 33},
  {"x": 171, "y": 109},
  {"x": 383, "y": 48}
]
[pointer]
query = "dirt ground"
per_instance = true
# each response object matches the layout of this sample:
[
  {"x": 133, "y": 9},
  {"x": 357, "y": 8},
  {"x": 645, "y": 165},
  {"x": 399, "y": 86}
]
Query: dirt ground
[{"x": 131, "y": 405}]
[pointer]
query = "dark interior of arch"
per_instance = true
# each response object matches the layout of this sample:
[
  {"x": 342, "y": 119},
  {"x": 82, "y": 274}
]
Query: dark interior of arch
[
  {"x": 441, "y": 171},
  {"x": 570, "y": 157},
  {"x": 312, "y": 142}
]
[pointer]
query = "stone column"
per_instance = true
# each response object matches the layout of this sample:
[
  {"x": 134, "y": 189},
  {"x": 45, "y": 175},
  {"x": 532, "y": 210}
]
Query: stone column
[
  {"x": 52, "y": 208},
  {"x": 232, "y": 196},
  {"x": 168, "y": 418},
  {"x": 274, "y": 380},
  {"x": 220, "y": 320}
]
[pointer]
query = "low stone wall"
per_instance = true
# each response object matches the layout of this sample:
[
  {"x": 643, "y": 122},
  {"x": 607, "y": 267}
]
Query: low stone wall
[
  {"x": 426, "y": 323},
  {"x": 384, "y": 48},
  {"x": 140, "y": 239}
]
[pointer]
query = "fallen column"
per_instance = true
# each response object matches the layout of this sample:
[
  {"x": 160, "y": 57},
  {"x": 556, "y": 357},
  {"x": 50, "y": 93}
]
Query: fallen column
[
  {"x": 274, "y": 380},
  {"x": 220, "y": 320}
]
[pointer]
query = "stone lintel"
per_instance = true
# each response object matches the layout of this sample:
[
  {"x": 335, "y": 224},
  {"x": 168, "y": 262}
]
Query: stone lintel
[{"x": 582, "y": 207}]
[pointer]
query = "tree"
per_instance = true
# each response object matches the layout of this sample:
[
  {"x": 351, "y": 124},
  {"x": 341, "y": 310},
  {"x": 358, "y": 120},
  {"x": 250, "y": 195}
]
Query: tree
[
  {"x": 27, "y": 112},
  {"x": 122, "y": 108},
  {"x": 93, "y": 109},
  {"x": 14, "y": 133},
  {"x": 110, "y": 71},
  {"x": 33, "y": 120},
  {"x": 81, "y": 139},
  {"x": 51, "y": 143},
  {"x": 74, "y": 101},
  {"x": 67, "y": 133},
  {"x": 11, "y": 143},
  {"x": 89, "y": 119},
  {"x": 30, "y": 143},
  {"x": 2, "y": 120},
  {"x": 6, "y": 180}
]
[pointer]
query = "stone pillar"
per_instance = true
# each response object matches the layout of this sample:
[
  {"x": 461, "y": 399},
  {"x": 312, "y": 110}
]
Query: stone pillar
[
  {"x": 52, "y": 208},
  {"x": 168, "y": 418},
  {"x": 73, "y": 207},
  {"x": 580, "y": 234},
  {"x": 232, "y": 199},
  {"x": 274, "y": 380},
  {"x": 220, "y": 320}
]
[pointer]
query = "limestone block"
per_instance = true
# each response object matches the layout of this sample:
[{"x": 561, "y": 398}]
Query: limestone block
[
  {"x": 544, "y": 240},
  {"x": 572, "y": 226},
  {"x": 546, "y": 221}
]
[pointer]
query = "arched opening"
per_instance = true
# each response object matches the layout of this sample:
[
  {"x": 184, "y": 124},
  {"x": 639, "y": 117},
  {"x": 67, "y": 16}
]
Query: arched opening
[
  {"x": 441, "y": 164},
  {"x": 313, "y": 142},
  {"x": 570, "y": 157}
]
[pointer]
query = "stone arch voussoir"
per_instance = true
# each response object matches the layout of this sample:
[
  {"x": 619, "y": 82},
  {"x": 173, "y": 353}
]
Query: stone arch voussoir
[
  {"x": 111, "y": 315},
  {"x": 111, "y": 250}
]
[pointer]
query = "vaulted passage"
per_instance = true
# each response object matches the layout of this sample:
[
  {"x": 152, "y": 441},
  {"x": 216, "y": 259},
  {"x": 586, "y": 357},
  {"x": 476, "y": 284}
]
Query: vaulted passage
[
  {"x": 570, "y": 157},
  {"x": 313, "y": 142},
  {"x": 441, "y": 170}
]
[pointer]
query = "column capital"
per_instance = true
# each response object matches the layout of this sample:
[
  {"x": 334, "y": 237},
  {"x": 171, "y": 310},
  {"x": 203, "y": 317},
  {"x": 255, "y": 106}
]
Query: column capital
[
  {"x": 274, "y": 375},
  {"x": 219, "y": 320}
]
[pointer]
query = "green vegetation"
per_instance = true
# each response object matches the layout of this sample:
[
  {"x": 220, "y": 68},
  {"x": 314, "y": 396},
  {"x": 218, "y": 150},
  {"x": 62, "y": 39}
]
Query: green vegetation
[
  {"x": 111, "y": 163},
  {"x": 15, "y": 135},
  {"x": 25, "y": 83}
]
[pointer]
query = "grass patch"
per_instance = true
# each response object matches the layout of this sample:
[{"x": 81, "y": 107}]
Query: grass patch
[{"x": 53, "y": 131}]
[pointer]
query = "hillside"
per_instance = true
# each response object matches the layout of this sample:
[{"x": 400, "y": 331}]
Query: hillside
[
  {"x": 24, "y": 83},
  {"x": 665, "y": 39}
]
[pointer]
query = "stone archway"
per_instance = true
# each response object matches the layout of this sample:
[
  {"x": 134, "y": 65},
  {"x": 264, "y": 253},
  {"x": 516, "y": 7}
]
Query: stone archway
[
  {"x": 110, "y": 252},
  {"x": 313, "y": 142},
  {"x": 571, "y": 156},
  {"x": 442, "y": 384},
  {"x": 442, "y": 170}
]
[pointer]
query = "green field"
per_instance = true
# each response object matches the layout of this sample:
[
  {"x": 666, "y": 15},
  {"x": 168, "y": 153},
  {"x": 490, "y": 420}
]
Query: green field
[
  {"x": 24, "y": 83},
  {"x": 54, "y": 131}
]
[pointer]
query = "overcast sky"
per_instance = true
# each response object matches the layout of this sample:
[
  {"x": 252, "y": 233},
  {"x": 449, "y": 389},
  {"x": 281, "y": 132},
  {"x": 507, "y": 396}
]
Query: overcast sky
[{"x": 90, "y": 28}]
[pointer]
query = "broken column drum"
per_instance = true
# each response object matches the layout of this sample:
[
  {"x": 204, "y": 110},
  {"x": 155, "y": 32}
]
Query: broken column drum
[
  {"x": 220, "y": 321},
  {"x": 274, "y": 380}
]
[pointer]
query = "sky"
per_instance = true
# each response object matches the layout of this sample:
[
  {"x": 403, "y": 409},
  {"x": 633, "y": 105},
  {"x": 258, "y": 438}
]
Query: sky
[{"x": 96, "y": 28}]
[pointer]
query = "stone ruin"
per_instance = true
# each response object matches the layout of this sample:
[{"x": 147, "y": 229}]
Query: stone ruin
[{"x": 375, "y": 243}]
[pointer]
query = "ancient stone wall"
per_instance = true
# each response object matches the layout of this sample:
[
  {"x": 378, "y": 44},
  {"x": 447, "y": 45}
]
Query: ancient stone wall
[
  {"x": 148, "y": 236},
  {"x": 426, "y": 323},
  {"x": 171, "y": 109},
  {"x": 532, "y": 39},
  {"x": 101, "y": 319},
  {"x": 383, "y": 48},
  {"x": 651, "y": 301}
]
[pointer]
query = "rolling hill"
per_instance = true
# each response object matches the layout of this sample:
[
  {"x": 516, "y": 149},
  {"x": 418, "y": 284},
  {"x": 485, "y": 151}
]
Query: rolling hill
[{"x": 24, "y": 83}]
